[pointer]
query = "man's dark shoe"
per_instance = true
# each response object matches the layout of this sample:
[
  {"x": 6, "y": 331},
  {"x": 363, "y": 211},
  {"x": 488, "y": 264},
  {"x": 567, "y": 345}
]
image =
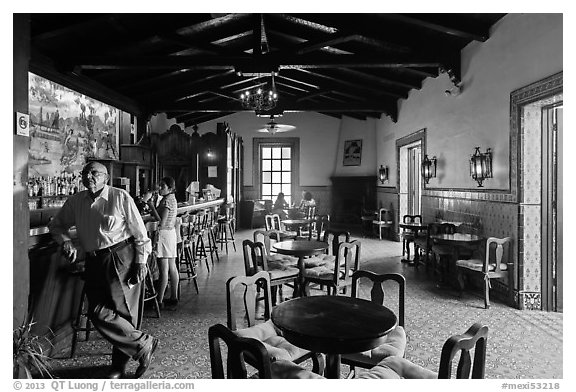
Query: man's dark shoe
[
  {"x": 116, "y": 374},
  {"x": 146, "y": 359},
  {"x": 170, "y": 304}
]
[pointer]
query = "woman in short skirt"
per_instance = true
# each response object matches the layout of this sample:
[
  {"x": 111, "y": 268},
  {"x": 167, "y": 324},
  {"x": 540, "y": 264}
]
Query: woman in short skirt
[{"x": 165, "y": 213}]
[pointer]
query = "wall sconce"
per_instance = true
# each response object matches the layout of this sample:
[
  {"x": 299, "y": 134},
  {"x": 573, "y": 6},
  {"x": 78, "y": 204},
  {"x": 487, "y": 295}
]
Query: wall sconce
[
  {"x": 481, "y": 165},
  {"x": 383, "y": 173},
  {"x": 209, "y": 153},
  {"x": 428, "y": 168}
]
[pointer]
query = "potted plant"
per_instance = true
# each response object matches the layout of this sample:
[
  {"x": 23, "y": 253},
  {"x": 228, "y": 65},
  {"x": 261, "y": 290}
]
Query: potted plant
[{"x": 28, "y": 352}]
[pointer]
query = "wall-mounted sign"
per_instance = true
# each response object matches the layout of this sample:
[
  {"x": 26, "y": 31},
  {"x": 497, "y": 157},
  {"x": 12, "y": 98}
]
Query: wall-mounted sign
[
  {"x": 212, "y": 171},
  {"x": 22, "y": 124}
]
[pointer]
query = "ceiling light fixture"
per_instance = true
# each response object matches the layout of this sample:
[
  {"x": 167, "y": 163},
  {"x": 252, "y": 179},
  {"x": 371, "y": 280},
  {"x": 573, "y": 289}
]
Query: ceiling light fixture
[{"x": 260, "y": 99}]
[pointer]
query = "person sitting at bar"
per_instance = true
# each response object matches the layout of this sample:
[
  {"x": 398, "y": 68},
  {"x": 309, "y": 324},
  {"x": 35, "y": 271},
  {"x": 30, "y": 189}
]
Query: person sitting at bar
[
  {"x": 307, "y": 200},
  {"x": 280, "y": 205},
  {"x": 165, "y": 213},
  {"x": 113, "y": 235}
]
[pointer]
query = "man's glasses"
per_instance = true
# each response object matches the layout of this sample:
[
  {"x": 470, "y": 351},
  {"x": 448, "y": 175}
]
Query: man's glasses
[{"x": 93, "y": 173}]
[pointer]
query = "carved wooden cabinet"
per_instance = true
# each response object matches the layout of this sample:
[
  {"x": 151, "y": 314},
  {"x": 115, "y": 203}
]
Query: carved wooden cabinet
[{"x": 210, "y": 158}]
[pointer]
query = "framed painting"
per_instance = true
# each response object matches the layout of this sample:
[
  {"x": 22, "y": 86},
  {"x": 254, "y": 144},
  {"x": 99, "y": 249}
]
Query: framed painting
[
  {"x": 352, "y": 152},
  {"x": 67, "y": 128}
]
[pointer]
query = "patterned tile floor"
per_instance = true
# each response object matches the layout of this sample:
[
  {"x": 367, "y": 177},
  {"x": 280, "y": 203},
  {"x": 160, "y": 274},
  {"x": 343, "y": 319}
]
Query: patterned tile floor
[{"x": 521, "y": 344}]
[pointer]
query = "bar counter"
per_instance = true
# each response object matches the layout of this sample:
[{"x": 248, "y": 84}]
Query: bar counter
[{"x": 55, "y": 290}]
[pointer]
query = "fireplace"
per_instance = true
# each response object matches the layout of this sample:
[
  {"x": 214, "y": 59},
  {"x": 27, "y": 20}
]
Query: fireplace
[{"x": 349, "y": 196}]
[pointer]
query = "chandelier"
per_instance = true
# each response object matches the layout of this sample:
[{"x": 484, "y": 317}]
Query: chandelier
[{"x": 260, "y": 99}]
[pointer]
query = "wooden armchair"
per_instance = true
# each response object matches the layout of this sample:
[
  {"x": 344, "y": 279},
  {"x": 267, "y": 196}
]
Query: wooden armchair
[
  {"x": 241, "y": 300},
  {"x": 273, "y": 222},
  {"x": 336, "y": 276},
  {"x": 280, "y": 270},
  {"x": 395, "y": 343},
  {"x": 383, "y": 221},
  {"x": 408, "y": 235},
  {"x": 495, "y": 265},
  {"x": 239, "y": 348},
  {"x": 474, "y": 339}
]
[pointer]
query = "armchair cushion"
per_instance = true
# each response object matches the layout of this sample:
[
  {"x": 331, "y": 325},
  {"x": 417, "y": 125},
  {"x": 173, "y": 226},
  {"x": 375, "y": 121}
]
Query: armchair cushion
[
  {"x": 277, "y": 346},
  {"x": 285, "y": 369},
  {"x": 317, "y": 261},
  {"x": 406, "y": 369},
  {"x": 394, "y": 345},
  {"x": 478, "y": 265}
]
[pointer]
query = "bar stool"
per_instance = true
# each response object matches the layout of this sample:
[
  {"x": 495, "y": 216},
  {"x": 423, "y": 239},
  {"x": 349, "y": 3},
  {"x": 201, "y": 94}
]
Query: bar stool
[
  {"x": 199, "y": 228},
  {"x": 185, "y": 255},
  {"x": 210, "y": 229},
  {"x": 82, "y": 312},
  {"x": 151, "y": 294},
  {"x": 227, "y": 226}
]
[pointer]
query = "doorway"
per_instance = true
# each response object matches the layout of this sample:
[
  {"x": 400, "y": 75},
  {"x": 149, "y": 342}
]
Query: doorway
[
  {"x": 552, "y": 207},
  {"x": 409, "y": 160}
]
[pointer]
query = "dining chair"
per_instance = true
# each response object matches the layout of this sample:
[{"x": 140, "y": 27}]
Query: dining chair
[
  {"x": 316, "y": 228},
  {"x": 240, "y": 348},
  {"x": 227, "y": 227},
  {"x": 152, "y": 270},
  {"x": 408, "y": 235},
  {"x": 242, "y": 299},
  {"x": 336, "y": 276},
  {"x": 395, "y": 343},
  {"x": 281, "y": 270},
  {"x": 333, "y": 238},
  {"x": 269, "y": 238},
  {"x": 273, "y": 222},
  {"x": 461, "y": 346},
  {"x": 496, "y": 264},
  {"x": 442, "y": 254},
  {"x": 383, "y": 221}
]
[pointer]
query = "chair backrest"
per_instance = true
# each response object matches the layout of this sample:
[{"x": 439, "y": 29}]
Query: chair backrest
[
  {"x": 475, "y": 338},
  {"x": 230, "y": 211},
  {"x": 412, "y": 219},
  {"x": 334, "y": 238},
  {"x": 377, "y": 289},
  {"x": 272, "y": 222},
  {"x": 497, "y": 252},
  {"x": 236, "y": 348},
  {"x": 309, "y": 212},
  {"x": 266, "y": 237},
  {"x": 441, "y": 228},
  {"x": 347, "y": 260},
  {"x": 384, "y": 215},
  {"x": 321, "y": 223},
  {"x": 241, "y": 298},
  {"x": 254, "y": 257}
]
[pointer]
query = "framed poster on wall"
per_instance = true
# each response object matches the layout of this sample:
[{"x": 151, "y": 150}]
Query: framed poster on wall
[{"x": 352, "y": 152}]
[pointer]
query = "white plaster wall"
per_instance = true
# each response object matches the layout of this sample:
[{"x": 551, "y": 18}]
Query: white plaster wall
[
  {"x": 522, "y": 48},
  {"x": 319, "y": 136}
]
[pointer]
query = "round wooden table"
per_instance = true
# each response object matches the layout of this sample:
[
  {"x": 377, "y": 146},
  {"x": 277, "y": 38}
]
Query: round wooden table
[
  {"x": 333, "y": 325},
  {"x": 296, "y": 223},
  {"x": 300, "y": 249},
  {"x": 457, "y": 242}
]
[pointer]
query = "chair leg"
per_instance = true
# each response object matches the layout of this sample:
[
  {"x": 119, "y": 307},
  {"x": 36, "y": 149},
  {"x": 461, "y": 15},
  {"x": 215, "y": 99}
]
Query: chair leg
[
  {"x": 153, "y": 295},
  {"x": 486, "y": 293},
  {"x": 318, "y": 364}
]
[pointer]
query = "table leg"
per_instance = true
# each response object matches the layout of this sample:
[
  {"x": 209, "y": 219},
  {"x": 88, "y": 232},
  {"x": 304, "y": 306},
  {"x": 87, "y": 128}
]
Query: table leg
[{"x": 332, "y": 366}]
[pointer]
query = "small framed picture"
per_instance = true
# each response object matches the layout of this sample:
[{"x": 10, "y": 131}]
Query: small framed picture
[{"x": 352, "y": 152}]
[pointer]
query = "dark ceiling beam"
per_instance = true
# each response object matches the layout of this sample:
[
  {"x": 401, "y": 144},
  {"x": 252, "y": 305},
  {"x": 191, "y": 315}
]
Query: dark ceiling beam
[
  {"x": 355, "y": 85},
  {"x": 308, "y": 24},
  {"x": 257, "y": 34},
  {"x": 313, "y": 94},
  {"x": 204, "y": 119},
  {"x": 469, "y": 35},
  {"x": 368, "y": 106},
  {"x": 191, "y": 43},
  {"x": 381, "y": 81},
  {"x": 269, "y": 61},
  {"x": 215, "y": 23},
  {"x": 311, "y": 46},
  {"x": 72, "y": 28},
  {"x": 181, "y": 89}
]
